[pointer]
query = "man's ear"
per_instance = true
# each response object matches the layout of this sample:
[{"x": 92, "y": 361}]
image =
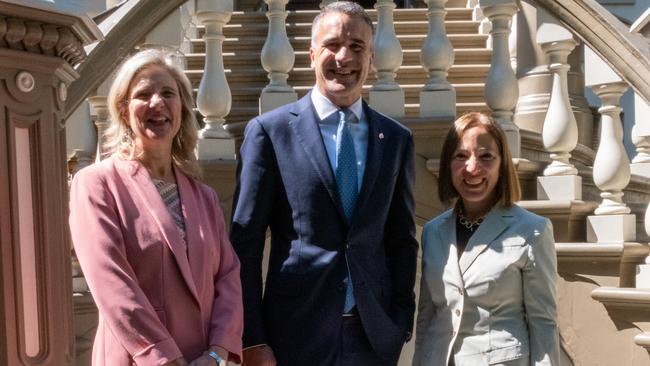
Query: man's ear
[{"x": 312, "y": 56}]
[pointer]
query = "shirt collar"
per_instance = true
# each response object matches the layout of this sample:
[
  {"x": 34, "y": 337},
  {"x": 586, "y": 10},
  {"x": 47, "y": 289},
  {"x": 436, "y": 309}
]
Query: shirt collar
[{"x": 324, "y": 107}]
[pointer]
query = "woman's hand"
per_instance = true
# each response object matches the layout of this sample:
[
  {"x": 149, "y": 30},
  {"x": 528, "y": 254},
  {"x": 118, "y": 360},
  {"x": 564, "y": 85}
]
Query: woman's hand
[
  {"x": 177, "y": 362},
  {"x": 207, "y": 360}
]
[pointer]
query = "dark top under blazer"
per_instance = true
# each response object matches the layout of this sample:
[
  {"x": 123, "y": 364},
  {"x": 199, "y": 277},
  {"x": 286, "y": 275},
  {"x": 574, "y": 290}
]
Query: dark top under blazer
[{"x": 285, "y": 182}]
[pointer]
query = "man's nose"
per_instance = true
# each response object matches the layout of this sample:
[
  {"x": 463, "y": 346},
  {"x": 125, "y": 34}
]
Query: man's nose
[{"x": 342, "y": 54}]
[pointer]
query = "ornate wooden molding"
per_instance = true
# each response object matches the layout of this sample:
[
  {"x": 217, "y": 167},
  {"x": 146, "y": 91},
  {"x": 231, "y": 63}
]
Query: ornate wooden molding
[{"x": 41, "y": 38}]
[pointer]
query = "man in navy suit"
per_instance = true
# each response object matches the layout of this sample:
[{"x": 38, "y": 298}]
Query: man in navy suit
[{"x": 332, "y": 179}]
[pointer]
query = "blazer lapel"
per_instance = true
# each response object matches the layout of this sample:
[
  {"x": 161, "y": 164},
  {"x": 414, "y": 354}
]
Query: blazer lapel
[
  {"x": 304, "y": 123},
  {"x": 142, "y": 184},
  {"x": 374, "y": 157},
  {"x": 195, "y": 251},
  {"x": 493, "y": 225},
  {"x": 448, "y": 240}
]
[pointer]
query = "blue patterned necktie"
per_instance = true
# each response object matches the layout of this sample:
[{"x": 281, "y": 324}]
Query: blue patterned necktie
[
  {"x": 346, "y": 164},
  {"x": 346, "y": 180}
]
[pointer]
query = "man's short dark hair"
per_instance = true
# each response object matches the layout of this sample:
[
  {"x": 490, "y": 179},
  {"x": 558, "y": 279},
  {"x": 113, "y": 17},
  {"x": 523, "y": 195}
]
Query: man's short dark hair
[{"x": 349, "y": 8}]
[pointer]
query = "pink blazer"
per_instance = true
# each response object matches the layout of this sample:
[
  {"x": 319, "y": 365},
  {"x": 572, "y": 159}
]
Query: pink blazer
[{"x": 156, "y": 301}]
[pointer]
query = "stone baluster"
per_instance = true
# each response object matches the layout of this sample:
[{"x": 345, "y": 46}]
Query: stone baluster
[
  {"x": 612, "y": 221},
  {"x": 277, "y": 59},
  {"x": 438, "y": 97},
  {"x": 646, "y": 224},
  {"x": 501, "y": 86},
  {"x": 642, "y": 144},
  {"x": 560, "y": 130},
  {"x": 477, "y": 15},
  {"x": 386, "y": 95},
  {"x": 643, "y": 270},
  {"x": 641, "y": 162},
  {"x": 641, "y": 138},
  {"x": 188, "y": 24},
  {"x": 80, "y": 139},
  {"x": 611, "y": 166},
  {"x": 166, "y": 35},
  {"x": 213, "y": 97},
  {"x": 99, "y": 111}
]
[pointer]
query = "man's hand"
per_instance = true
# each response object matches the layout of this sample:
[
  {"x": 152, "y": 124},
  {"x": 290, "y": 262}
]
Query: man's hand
[{"x": 259, "y": 356}]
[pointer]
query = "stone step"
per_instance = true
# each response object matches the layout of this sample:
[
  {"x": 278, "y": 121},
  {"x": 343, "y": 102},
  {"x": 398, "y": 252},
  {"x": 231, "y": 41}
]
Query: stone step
[
  {"x": 240, "y": 114},
  {"x": 465, "y": 93},
  {"x": 297, "y": 29},
  {"x": 246, "y": 60},
  {"x": 255, "y": 43},
  {"x": 306, "y": 16},
  {"x": 305, "y": 76}
]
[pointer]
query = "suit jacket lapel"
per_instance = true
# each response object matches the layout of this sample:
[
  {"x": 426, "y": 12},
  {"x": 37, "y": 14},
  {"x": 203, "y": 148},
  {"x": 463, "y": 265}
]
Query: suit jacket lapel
[
  {"x": 493, "y": 225},
  {"x": 374, "y": 157},
  {"x": 304, "y": 123},
  {"x": 142, "y": 184}
]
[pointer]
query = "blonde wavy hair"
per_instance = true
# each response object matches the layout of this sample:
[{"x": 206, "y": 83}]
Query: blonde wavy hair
[{"x": 118, "y": 136}]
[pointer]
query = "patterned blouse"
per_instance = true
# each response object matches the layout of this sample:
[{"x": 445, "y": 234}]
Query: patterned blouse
[{"x": 169, "y": 194}]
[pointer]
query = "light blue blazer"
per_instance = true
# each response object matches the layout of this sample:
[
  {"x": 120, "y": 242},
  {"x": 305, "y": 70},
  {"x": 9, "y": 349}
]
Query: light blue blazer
[{"x": 497, "y": 303}]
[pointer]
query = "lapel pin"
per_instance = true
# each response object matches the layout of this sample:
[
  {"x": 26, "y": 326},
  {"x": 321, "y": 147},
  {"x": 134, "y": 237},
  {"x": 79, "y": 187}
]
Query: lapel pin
[{"x": 381, "y": 135}]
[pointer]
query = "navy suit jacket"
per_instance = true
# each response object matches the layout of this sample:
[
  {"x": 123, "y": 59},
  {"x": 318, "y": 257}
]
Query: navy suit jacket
[{"x": 285, "y": 183}]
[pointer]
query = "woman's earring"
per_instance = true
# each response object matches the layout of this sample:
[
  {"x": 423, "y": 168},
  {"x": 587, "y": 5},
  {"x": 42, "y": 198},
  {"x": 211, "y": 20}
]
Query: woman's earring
[{"x": 127, "y": 141}]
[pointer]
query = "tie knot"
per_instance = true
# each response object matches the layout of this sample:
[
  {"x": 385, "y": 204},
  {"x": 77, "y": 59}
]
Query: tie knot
[{"x": 346, "y": 116}]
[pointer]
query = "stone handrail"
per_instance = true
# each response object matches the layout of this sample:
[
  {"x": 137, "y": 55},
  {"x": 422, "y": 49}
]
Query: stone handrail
[
  {"x": 625, "y": 52},
  {"x": 622, "y": 297}
]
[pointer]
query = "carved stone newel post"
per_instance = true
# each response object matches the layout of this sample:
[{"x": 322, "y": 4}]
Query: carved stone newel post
[
  {"x": 438, "y": 97},
  {"x": 386, "y": 95},
  {"x": 560, "y": 130},
  {"x": 38, "y": 51},
  {"x": 501, "y": 86},
  {"x": 277, "y": 59},
  {"x": 213, "y": 98}
]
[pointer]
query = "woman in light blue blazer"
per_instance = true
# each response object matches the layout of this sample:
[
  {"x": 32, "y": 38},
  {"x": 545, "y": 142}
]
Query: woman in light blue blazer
[{"x": 489, "y": 270}]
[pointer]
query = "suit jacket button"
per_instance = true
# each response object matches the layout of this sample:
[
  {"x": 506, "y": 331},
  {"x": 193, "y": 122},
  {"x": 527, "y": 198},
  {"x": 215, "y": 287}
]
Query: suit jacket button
[
  {"x": 340, "y": 288},
  {"x": 460, "y": 291},
  {"x": 457, "y": 312},
  {"x": 347, "y": 245}
]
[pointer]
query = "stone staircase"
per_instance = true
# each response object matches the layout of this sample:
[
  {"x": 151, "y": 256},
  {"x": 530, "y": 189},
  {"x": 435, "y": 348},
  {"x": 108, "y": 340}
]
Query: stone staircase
[
  {"x": 246, "y": 32},
  {"x": 601, "y": 314}
]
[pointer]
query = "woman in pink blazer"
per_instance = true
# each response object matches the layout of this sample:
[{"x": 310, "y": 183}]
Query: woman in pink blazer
[{"x": 150, "y": 237}]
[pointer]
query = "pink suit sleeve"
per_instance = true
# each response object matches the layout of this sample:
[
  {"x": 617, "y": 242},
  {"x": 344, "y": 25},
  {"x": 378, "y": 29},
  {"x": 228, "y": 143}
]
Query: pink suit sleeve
[{"x": 100, "y": 247}]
